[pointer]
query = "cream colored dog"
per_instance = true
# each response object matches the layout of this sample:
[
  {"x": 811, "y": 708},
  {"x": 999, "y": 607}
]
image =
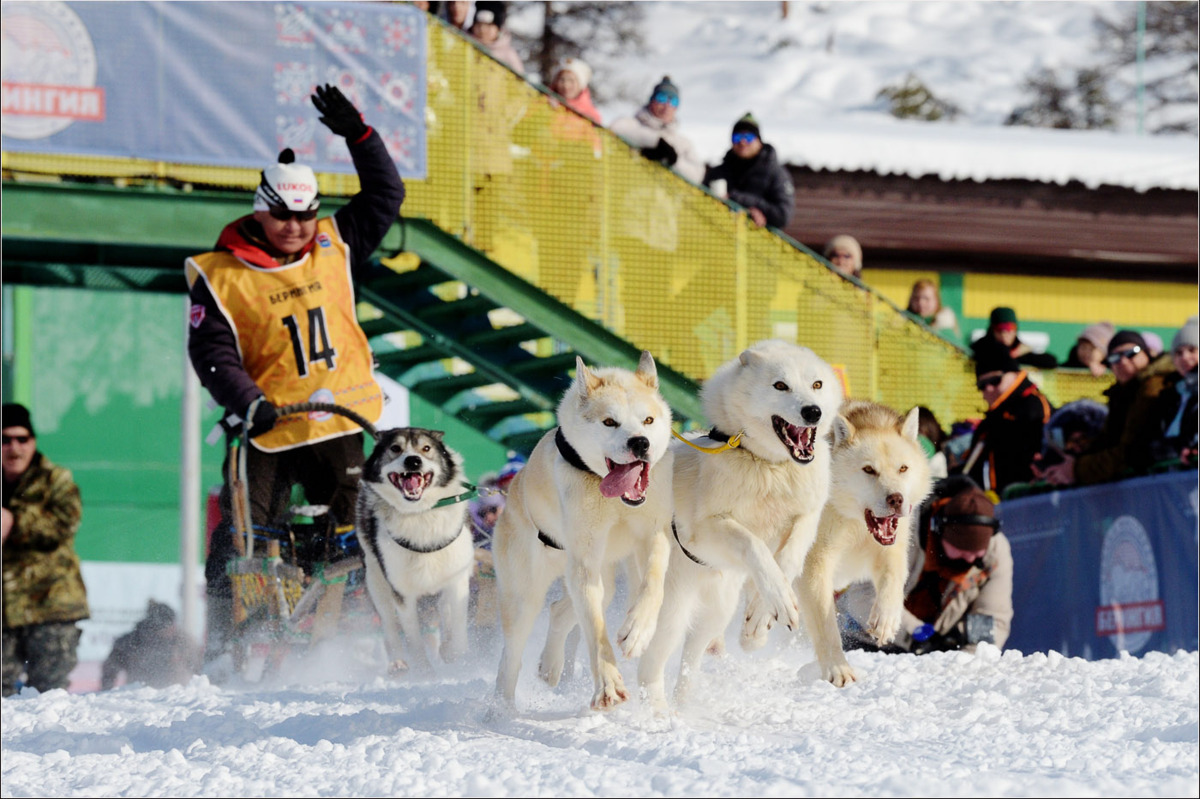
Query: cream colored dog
[
  {"x": 748, "y": 514},
  {"x": 596, "y": 490},
  {"x": 880, "y": 474}
]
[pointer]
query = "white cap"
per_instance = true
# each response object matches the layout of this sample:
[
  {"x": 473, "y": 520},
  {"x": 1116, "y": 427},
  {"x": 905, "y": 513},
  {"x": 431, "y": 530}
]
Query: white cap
[
  {"x": 577, "y": 66},
  {"x": 287, "y": 185}
]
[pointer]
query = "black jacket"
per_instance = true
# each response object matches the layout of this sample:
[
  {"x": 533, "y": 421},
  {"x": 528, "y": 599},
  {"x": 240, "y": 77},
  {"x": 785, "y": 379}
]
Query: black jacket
[
  {"x": 760, "y": 182},
  {"x": 1010, "y": 434}
]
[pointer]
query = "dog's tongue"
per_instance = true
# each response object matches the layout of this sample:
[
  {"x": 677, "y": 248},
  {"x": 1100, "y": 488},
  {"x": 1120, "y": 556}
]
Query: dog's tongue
[{"x": 621, "y": 479}]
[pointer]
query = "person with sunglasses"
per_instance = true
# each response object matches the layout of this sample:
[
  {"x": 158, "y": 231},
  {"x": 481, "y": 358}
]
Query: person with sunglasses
[
  {"x": 273, "y": 323},
  {"x": 753, "y": 177},
  {"x": 1004, "y": 444},
  {"x": 1124, "y": 443},
  {"x": 654, "y": 131},
  {"x": 44, "y": 594}
]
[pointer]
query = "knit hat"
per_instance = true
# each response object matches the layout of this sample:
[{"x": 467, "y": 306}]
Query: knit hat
[
  {"x": 575, "y": 66},
  {"x": 1127, "y": 337},
  {"x": 490, "y": 12},
  {"x": 992, "y": 356},
  {"x": 747, "y": 124},
  {"x": 16, "y": 415},
  {"x": 848, "y": 242},
  {"x": 1188, "y": 335},
  {"x": 968, "y": 520},
  {"x": 666, "y": 87},
  {"x": 1098, "y": 335},
  {"x": 287, "y": 185},
  {"x": 1002, "y": 316}
]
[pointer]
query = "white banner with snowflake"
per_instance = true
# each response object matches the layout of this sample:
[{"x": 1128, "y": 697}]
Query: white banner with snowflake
[{"x": 216, "y": 83}]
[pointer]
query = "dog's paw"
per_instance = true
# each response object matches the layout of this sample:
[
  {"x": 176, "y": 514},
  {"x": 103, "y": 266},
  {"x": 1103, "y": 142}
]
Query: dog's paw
[
  {"x": 757, "y": 625},
  {"x": 782, "y": 605},
  {"x": 716, "y": 647},
  {"x": 640, "y": 624},
  {"x": 611, "y": 689},
  {"x": 884, "y": 623},
  {"x": 451, "y": 651},
  {"x": 397, "y": 668},
  {"x": 841, "y": 674},
  {"x": 550, "y": 668}
]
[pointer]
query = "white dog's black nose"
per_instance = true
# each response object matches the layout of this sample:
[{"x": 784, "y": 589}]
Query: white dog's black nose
[
  {"x": 811, "y": 413},
  {"x": 640, "y": 447},
  {"x": 413, "y": 463}
]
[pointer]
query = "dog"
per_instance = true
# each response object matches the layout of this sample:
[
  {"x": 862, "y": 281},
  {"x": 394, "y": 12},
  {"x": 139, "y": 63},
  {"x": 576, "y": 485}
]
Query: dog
[
  {"x": 880, "y": 474},
  {"x": 416, "y": 541},
  {"x": 747, "y": 514},
  {"x": 596, "y": 491}
]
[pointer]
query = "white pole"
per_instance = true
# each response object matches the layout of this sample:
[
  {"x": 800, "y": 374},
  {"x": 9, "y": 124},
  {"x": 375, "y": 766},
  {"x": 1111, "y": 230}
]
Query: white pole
[{"x": 189, "y": 491}]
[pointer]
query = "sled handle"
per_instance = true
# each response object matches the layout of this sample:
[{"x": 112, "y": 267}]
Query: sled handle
[{"x": 329, "y": 407}]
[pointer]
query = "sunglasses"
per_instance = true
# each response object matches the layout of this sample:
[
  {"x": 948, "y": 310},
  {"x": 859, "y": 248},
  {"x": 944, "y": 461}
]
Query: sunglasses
[
  {"x": 1115, "y": 358},
  {"x": 988, "y": 382},
  {"x": 18, "y": 439},
  {"x": 743, "y": 138},
  {"x": 284, "y": 214},
  {"x": 663, "y": 97}
]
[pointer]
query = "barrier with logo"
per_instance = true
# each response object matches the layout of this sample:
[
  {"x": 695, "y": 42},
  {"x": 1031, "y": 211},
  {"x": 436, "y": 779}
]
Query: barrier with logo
[{"x": 1105, "y": 569}]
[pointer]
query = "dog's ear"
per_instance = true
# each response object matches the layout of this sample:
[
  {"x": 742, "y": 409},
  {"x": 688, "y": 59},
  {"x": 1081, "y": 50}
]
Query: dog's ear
[
  {"x": 911, "y": 425},
  {"x": 748, "y": 357},
  {"x": 646, "y": 369},
  {"x": 585, "y": 377},
  {"x": 841, "y": 430},
  {"x": 438, "y": 435}
]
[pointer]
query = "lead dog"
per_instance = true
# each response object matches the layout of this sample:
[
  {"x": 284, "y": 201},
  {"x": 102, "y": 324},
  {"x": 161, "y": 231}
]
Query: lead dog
[
  {"x": 596, "y": 490},
  {"x": 412, "y": 546},
  {"x": 737, "y": 510},
  {"x": 880, "y": 474}
]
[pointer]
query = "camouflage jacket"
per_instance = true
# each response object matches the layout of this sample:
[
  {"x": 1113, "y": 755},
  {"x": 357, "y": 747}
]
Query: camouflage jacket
[{"x": 42, "y": 580}]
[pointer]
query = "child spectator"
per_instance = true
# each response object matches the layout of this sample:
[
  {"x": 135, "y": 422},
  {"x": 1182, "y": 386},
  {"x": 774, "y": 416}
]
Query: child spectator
[
  {"x": 925, "y": 305},
  {"x": 570, "y": 81},
  {"x": 155, "y": 653},
  {"x": 846, "y": 255},
  {"x": 488, "y": 29}
]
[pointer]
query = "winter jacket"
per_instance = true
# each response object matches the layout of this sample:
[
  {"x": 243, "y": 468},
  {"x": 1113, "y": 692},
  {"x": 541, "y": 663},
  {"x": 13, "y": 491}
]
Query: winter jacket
[
  {"x": 583, "y": 105},
  {"x": 760, "y": 182},
  {"x": 643, "y": 130},
  {"x": 214, "y": 345},
  {"x": 1123, "y": 444},
  {"x": 503, "y": 51},
  {"x": 42, "y": 578},
  {"x": 1176, "y": 411},
  {"x": 1038, "y": 360},
  {"x": 1009, "y": 436}
]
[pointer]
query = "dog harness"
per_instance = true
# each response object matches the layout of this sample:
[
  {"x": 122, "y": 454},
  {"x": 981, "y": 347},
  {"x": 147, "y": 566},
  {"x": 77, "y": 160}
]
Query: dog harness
[{"x": 693, "y": 558}]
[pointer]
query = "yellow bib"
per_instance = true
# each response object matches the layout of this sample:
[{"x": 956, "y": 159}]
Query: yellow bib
[{"x": 298, "y": 337}]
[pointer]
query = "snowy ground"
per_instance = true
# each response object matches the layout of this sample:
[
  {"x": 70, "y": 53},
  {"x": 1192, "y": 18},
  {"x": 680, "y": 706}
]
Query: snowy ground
[{"x": 992, "y": 724}]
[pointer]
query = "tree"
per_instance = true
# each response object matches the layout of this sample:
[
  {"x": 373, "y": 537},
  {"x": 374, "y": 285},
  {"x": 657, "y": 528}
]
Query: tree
[
  {"x": 1081, "y": 102},
  {"x": 593, "y": 31},
  {"x": 912, "y": 99}
]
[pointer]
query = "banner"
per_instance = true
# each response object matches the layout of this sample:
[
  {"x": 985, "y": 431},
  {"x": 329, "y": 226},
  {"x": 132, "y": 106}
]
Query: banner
[
  {"x": 214, "y": 83},
  {"x": 1105, "y": 569}
]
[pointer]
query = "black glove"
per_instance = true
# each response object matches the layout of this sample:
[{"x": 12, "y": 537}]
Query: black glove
[
  {"x": 339, "y": 114},
  {"x": 662, "y": 152},
  {"x": 265, "y": 416},
  {"x": 949, "y": 642}
]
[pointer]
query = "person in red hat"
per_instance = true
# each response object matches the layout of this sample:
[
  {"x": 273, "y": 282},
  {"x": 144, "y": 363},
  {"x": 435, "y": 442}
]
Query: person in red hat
[
  {"x": 960, "y": 579},
  {"x": 1002, "y": 327}
]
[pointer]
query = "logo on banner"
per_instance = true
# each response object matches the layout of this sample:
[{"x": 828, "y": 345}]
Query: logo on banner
[
  {"x": 49, "y": 71},
  {"x": 1130, "y": 610}
]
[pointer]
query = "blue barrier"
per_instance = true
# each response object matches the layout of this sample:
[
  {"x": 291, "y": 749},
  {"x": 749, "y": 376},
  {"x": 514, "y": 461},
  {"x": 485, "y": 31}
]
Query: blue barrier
[{"x": 1107, "y": 568}]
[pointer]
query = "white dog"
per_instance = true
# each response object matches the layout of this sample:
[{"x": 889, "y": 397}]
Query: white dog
[
  {"x": 748, "y": 512},
  {"x": 415, "y": 540},
  {"x": 596, "y": 490},
  {"x": 880, "y": 474}
]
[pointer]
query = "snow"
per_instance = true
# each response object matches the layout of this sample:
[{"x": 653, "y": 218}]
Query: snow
[
  {"x": 762, "y": 723},
  {"x": 812, "y": 79}
]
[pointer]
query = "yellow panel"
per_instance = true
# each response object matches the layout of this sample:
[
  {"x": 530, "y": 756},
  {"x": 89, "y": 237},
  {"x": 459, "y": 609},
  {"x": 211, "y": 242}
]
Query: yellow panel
[{"x": 1071, "y": 300}]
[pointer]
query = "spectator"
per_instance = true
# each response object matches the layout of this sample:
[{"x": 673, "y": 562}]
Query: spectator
[
  {"x": 1004, "y": 443},
  {"x": 155, "y": 653},
  {"x": 44, "y": 594},
  {"x": 925, "y": 304},
  {"x": 455, "y": 12},
  {"x": 570, "y": 81},
  {"x": 754, "y": 177},
  {"x": 255, "y": 356},
  {"x": 654, "y": 131},
  {"x": 1177, "y": 408},
  {"x": 960, "y": 579},
  {"x": 931, "y": 438},
  {"x": 1123, "y": 443},
  {"x": 1071, "y": 430},
  {"x": 488, "y": 29},
  {"x": 1090, "y": 348},
  {"x": 1002, "y": 326},
  {"x": 846, "y": 255}
]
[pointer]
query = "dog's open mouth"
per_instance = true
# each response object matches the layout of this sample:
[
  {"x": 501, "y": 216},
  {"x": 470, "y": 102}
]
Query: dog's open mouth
[
  {"x": 883, "y": 528},
  {"x": 628, "y": 481},
  {"x": 411, "y": 484},
  {"x": 798, "y": 440}
]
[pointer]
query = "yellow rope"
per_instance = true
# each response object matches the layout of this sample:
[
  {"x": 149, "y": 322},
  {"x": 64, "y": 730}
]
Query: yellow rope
[{"x": 732, "y": 443}]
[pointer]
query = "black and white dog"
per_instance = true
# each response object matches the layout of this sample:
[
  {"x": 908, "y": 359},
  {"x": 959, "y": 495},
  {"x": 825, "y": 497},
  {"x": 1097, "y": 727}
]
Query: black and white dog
[{"x": 415, "y": 540}]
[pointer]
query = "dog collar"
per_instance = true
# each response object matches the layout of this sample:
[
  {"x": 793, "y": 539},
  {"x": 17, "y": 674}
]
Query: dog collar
[
  {"x": 569, "y": 454},
  {"x": 693, "y": 558},
  {"x": 470, "y": 493}
]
